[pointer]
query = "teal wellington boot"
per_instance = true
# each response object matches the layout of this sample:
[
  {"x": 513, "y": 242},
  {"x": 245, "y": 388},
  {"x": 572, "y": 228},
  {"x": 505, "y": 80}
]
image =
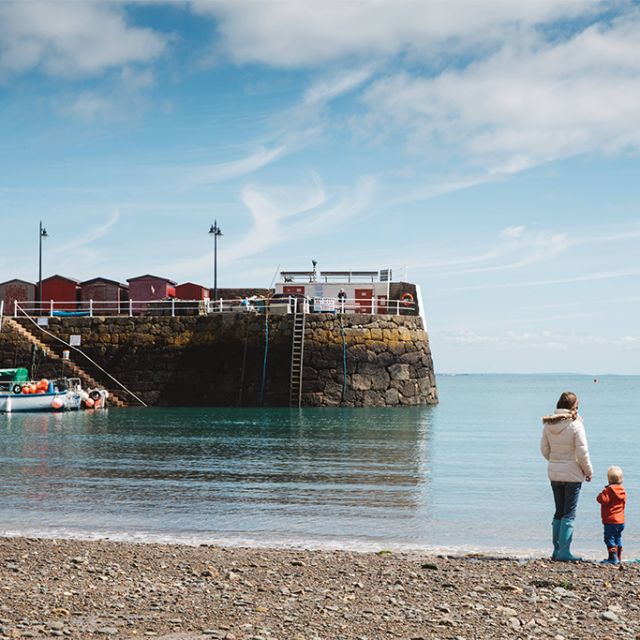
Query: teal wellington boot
[
  {"x": 555, "y": 533},
  {"x": 565, "y": 536}
]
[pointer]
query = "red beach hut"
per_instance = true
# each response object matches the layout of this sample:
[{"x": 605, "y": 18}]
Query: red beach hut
[
  {"x": 62, "y": 291},
  {"x": 17, "y": 291},
  {"x": 191, "y": 291},
  {"x": 113, "y": 294},
  {"x": 144, "y": 289}
]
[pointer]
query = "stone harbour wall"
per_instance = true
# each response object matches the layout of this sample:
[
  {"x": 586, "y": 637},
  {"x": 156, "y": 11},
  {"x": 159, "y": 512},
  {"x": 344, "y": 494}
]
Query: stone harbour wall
[
  {"x": 387, "y": 359},
  {"x": 219, "y": 360}
]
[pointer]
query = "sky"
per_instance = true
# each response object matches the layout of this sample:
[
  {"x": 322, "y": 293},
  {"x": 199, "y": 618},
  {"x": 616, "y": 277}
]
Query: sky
[{"x": 485, "y": 149}]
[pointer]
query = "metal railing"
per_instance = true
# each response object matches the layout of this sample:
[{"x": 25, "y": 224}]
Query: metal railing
[{"x": 173, "y": 307}]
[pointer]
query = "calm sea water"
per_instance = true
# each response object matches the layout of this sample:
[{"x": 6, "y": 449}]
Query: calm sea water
[{"x": 463, "y": 476}]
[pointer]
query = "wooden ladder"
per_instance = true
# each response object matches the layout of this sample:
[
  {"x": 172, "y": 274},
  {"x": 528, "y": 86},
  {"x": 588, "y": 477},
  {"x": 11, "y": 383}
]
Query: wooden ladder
[
  {"x": 87, "y": 380},
  {"x": 297, "y": 357}
]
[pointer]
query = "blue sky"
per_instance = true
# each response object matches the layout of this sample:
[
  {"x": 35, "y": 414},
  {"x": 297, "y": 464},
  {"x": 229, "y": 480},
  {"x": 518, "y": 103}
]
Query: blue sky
[{"x": 488, "y": 148}]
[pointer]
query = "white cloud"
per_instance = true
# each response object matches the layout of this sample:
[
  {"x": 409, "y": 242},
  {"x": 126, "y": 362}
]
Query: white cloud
[
  {"x": 332, "y": 87},
  {"x": 290, "y": 33},
  {"x": 222, "y": 171},
  {"x": 89, "y": 236},
  {"x": 528, "y": 103},
  {"x": 280, "y": 217},
  {"x": 71, "y": 39},
  {"x": 518, "y": 247},
  {"x": 119, "y": 98},
  {"x": 513, "y": 232},
  {"x": 296, "y": 128},
  {"x": 537, "y": 340},
  {"x": 590, "y": 277}
]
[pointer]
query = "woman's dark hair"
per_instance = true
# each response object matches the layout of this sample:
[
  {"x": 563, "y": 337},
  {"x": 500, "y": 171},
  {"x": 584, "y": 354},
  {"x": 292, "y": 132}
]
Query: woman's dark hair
[{"x": 568, "y": 400}]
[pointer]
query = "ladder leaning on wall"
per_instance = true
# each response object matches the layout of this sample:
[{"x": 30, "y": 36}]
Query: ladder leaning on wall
[{"x": 297, "y": 357}]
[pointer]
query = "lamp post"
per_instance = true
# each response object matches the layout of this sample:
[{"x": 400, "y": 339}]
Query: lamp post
[
  {"x": 216, "y": 233},
  {"x": 41, "y": 235}
]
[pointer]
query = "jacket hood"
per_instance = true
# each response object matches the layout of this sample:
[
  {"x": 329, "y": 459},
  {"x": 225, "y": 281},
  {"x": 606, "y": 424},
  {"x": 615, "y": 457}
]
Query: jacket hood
[
  {"x": 559, "y": 421},
  {"x": 618, "y": 490}
]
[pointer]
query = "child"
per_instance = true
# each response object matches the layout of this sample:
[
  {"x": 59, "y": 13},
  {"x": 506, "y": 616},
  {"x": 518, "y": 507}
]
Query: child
[{"x": 613, "y": 498}]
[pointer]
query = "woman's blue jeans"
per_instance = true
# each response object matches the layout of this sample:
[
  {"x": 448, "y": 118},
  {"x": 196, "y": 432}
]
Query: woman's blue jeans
[{"x": 565, "y": 495}]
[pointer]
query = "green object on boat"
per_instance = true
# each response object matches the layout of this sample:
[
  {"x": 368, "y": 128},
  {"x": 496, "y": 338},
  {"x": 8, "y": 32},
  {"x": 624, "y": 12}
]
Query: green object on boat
[{"x": 14, "y": 375}]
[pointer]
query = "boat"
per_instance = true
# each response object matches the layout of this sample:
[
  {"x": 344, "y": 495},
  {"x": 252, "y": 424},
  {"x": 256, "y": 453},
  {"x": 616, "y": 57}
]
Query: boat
[{"x": 18, "y": 393}]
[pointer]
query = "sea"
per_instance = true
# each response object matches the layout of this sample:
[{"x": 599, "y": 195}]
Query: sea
[{"x": 463, "y": 477}]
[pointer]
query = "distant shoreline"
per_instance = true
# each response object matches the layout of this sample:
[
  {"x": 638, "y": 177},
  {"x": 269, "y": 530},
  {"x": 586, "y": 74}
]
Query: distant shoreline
[{"x": 81, "y": 589}]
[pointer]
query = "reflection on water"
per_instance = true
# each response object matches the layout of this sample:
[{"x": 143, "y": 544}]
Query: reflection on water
[{"x": 276, "y": 472}]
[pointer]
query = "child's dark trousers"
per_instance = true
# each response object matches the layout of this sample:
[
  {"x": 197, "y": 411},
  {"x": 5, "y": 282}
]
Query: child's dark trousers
[{"x": 613, "y": 535}]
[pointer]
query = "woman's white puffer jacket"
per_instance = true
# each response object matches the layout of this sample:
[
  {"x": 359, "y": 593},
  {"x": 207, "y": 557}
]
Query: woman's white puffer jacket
[{"x": 564, "y": 445}]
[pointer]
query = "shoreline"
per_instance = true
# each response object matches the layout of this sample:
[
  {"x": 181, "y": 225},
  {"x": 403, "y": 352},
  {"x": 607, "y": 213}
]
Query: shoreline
[
  {"x": 94, "y": 589},
  {"x": 350, "y": 545}
]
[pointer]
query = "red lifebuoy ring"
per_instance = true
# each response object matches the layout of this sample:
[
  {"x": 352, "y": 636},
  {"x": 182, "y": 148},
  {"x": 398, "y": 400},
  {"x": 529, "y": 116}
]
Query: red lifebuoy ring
[{"x": 407, "y": 299}]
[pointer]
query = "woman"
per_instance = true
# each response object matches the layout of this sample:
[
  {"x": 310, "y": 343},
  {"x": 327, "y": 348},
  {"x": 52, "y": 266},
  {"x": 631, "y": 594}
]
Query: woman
[{"x": 564, "y": 445}]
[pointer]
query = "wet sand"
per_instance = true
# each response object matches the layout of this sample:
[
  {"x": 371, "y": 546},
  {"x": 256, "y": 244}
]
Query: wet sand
[{"x": 77, "y": 589}]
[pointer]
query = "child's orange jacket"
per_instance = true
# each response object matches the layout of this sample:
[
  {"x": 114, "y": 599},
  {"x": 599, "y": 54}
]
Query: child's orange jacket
[{"x": 612, "y": 498}]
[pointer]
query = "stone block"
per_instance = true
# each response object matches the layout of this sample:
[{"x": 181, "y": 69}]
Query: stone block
[
  {"x": 391, "y": 397},
  {"x": 411, "y": 357},
  {"x": 371, "y": 398},
  {"x": 385, "y": 359},
  {"x": 376, "y": 346},
  {"x": 360, "y": 382},
  {"x": 368, "y": 368},
  {"x": 349, "y": 397},
  {"x": 399, "y": 371},
  {"x": 410, "y": 389},
  {"x": 380, "y": 380},
  {"x": 333, "y": 391},
  {"x": 357, "y": 354},
  {"x": 396, "y": 347}
]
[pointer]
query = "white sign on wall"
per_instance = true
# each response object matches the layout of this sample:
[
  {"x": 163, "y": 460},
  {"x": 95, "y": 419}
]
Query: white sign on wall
[
  {"x": 327, "y": 305},
  {"x": 75, "y": 340}
]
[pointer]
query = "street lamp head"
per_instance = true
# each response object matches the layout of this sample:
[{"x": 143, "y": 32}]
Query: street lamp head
[
  {"x": 214, "y": 230},
  {"x": 44, "y": 233}
]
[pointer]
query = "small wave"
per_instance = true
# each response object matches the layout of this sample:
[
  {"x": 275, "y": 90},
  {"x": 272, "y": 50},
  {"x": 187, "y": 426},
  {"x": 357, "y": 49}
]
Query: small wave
[{"x": 284, "y": 543}]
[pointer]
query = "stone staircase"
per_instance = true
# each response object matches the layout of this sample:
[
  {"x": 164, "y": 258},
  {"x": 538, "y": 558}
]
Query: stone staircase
[{"x": 88, "y": 381}]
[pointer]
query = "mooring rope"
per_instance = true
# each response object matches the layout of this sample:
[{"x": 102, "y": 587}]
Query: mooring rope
[
  {"x": 244, "y": 358},
  {"x": 344, "y": 357},
  {"x": 266, "y": 351},
  {"x": 93, "y": 362}
]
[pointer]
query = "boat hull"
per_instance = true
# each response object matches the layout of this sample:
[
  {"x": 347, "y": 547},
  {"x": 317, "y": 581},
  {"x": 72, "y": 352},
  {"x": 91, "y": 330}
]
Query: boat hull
[{"x": 40, "y": 402}]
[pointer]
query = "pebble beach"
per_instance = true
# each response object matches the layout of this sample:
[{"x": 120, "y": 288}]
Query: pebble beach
[{"x": 98, "y": 589}]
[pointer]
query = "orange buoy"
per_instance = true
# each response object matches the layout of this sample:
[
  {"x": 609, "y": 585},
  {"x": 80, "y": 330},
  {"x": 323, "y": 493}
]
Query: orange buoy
[{"x": 57, "y": 403}]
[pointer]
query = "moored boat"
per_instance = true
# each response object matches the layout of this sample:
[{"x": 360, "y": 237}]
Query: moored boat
[{"x": 20, "y": 394}]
